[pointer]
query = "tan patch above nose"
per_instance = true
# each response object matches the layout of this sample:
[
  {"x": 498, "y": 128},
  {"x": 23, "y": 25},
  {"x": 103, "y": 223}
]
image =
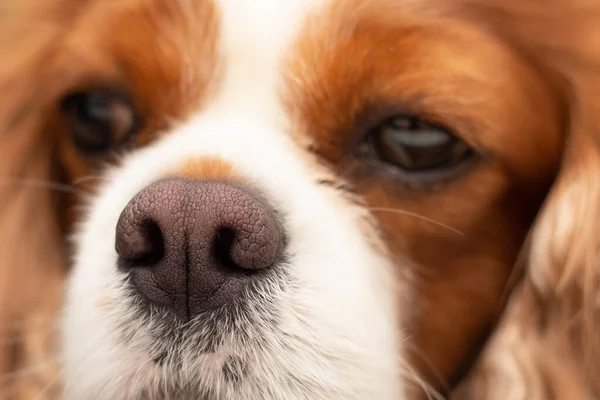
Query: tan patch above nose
[{"x": 206, "y": 169}]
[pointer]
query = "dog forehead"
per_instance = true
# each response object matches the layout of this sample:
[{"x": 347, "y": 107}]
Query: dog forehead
[
  {"x": 254, "y": 39},
  {"x": 263, "y": 25}
]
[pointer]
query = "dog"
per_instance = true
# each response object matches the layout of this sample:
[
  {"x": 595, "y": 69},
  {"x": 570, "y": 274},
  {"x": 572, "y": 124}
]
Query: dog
[{"x": 301, "y": 199}]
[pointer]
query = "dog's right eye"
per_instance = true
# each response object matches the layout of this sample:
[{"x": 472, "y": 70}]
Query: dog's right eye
[
  {"x": 99, "y": 121},
  {"x": 415, "y": 146}
]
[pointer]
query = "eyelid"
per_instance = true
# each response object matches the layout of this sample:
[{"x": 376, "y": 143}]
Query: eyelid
[
  {"x": 460, "y": 125},
  {"x": 430, "y": 135}
]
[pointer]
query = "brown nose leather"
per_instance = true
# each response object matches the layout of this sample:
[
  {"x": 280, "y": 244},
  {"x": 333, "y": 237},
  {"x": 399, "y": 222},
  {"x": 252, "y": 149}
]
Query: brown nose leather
[{"x": 193, "y": 246}]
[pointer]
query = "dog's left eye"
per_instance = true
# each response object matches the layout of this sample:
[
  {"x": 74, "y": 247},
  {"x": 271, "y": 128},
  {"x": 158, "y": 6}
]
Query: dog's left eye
[
  {"x": 99, "y": 121},
  {"x": 414, "y": 146}
]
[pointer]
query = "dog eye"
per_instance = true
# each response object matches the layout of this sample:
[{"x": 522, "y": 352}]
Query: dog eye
[
  {"x": 99, "y": 121},
  {"x": 414, "y": 146}
]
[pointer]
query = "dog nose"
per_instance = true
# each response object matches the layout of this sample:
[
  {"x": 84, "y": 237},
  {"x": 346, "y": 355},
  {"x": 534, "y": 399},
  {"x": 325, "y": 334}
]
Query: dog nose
[{"x": 193, "y": 246}]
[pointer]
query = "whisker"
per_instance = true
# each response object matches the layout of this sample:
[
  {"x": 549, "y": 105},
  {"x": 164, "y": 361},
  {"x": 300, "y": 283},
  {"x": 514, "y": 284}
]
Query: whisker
[
  {"x": 415, "y": 215},
  {"x": 39, "y": 320},
  {"x": 80, "y": 359},
  {"x": 88, "y": 178},
  {"x": 21, "y": 373},
  {"x": 411, "y": 374},
  {"x": 10, "y": 383},
  {"x": 429, "y": 391},
  {"x": 436, "y": 374},
  {"x": 48, "y": 387},
  {"x": 18, "y": 336},
  {"x": 43, "y": 184}
]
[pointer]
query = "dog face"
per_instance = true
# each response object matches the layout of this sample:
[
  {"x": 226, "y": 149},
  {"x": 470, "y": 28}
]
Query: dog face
[{"x": 300, "y": 199}]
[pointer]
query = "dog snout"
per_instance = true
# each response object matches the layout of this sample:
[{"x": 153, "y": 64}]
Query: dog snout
[{"x": 192, "y": 246}]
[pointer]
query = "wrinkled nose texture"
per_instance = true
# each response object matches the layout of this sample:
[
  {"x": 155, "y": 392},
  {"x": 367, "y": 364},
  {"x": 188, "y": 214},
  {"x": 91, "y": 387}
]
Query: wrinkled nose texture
[{"x": 193, "y": 246}]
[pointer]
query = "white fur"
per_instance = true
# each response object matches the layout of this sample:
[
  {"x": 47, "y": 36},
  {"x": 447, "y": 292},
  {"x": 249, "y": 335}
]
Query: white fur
[{"x": 342, "y": 317}]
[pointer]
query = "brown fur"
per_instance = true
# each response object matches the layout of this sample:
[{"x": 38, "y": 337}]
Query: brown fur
[
  {"x": 521, "y": 73},
  {"x": 501, "y": 103},
  {"x": 547, "y": 346},
  {"x": 32, "y": 263},
  {"x": 45, "y": 57}
]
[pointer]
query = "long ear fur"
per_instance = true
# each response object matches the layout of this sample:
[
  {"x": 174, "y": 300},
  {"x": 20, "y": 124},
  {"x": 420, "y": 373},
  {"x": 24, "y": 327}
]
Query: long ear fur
[
  {"x": 31, "y": 244},
  {"x": 548, "y": 345}
]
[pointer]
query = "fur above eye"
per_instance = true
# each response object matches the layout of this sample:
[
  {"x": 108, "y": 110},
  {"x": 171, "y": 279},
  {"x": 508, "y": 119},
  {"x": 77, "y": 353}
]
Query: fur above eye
[
  {"x": 98, "y": 121},
  {"x": 415, "y": 146}
]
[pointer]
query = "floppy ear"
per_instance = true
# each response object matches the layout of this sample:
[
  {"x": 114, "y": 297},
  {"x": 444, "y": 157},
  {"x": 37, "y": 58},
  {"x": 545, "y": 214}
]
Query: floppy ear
[
  {"x": 548, "y": 344},
  {"x": 31, "y": 244}
]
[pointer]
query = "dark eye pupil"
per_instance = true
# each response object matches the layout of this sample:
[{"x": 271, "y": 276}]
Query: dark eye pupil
[
  {"x": 94, "y": 108},
  {"x": 98, "y": 120},
  {"x": 414, "y": 146}
]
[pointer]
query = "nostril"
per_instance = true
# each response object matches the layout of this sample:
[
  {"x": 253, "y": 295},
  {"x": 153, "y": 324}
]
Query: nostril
[
  {"x": 155, "y": 250},
  {"x": 143, "y": 246},
  {"x": 224, "y": 240}
]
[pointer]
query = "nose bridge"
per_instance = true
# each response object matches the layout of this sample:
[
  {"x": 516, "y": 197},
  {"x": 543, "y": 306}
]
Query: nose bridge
[
  {"x": 249, "y": 141},
  {"x": 255, "y": 36},
  {"x": 254, "y": 40}
]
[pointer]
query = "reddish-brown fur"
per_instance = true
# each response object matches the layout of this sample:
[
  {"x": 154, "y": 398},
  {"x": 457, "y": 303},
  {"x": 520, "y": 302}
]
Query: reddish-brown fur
[
  {"x": 48, "y": 52},
  {"x": 516, "y": 79},
  {"x": 492, "y": 99},
  {"x": 547, "y": 343}
]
